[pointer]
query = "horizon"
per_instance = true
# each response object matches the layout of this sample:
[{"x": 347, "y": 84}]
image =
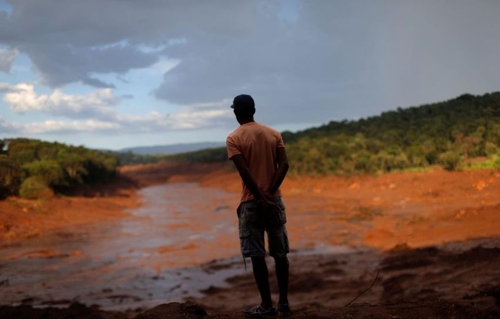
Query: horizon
[
  {"x": 129, "y": 148},
  {"x": 132, "y": 75}
]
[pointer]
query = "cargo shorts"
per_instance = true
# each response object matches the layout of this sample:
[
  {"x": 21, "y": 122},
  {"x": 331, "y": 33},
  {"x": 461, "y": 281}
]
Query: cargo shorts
[{"x": 253, "y": 223}]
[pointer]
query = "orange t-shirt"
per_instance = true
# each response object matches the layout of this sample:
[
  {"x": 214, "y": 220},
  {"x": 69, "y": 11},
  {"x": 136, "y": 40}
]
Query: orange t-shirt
[{"x": 257, "y": 143}]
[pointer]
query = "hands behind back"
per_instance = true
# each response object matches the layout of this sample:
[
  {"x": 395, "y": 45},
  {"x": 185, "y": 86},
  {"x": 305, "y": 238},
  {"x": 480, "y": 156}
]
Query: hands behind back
[{"x": 269, "y": 208}]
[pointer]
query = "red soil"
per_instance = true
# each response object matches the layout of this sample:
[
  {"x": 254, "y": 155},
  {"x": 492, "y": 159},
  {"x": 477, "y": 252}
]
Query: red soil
[{"x": 432, "y": 237}]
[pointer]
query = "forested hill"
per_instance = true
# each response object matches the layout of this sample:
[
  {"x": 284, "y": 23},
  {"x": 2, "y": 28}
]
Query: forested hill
[
  {"x": 35, "y": 169},
  {"x": 448, "y": 133},
  {"x": 416, "y": 124}
]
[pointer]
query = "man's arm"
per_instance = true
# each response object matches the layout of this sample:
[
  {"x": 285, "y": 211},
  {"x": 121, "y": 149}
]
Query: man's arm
[
  {"x": 279, "y": 176},
  {"x": 247, "y": 178}
]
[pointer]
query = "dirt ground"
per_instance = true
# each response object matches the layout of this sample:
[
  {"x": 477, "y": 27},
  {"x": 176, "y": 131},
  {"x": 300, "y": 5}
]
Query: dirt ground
[
  {"x": 22, "y": 218},
  {"x": 421, "y": 245}
]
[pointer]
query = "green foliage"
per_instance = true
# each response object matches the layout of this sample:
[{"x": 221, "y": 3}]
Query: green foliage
[
  {"x": 129, "y": 158},
  {"x": 10, "y": 177},
  {"x": 208, "y": 155},
  {"x": 28, "y": 165},
  {"x": 450, "y": 160},
  {"x": 34, "y": 187},
  {"x": 49, "y": 171},
  {"x": 448, "y": 133}
]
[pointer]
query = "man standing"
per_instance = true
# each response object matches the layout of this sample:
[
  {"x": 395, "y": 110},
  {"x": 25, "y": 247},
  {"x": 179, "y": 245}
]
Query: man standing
[{"x": 258, "y": 152}]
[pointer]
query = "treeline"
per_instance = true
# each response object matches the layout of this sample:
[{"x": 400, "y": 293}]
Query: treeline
[
  {"x": 34, "y": 169},
  {"x": 208, "y": 155},
  {"x": 449, "y": 133}
]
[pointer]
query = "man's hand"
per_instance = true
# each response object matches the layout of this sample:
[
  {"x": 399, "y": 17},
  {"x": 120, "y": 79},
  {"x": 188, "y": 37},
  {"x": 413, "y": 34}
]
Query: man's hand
[{"x": 269, "y": 208}]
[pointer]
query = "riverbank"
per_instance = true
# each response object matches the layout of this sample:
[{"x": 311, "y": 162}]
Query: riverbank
[
  {"x": 432, "y": 238},
  {"x": 455, "y": 280},
  {"x": 21, "y": 218},
  {"x": 413, "y": 209}
]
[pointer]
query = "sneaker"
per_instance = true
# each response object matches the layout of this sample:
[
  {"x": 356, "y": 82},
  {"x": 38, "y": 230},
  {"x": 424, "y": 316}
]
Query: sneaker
[
  {"x": 284, "y": 309},
  {"x": 259, "y": 311}
]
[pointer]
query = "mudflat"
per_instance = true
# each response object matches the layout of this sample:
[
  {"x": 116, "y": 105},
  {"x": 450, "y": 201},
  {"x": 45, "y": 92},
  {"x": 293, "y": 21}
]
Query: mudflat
[{"x": 415, "y": 245}]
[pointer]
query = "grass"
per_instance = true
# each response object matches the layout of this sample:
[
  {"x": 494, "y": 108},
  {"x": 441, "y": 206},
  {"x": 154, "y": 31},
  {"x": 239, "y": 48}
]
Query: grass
[{"x": 490, "y": 163}]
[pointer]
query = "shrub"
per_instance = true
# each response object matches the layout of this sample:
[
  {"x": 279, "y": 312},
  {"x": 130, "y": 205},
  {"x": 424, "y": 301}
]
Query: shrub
[
  {"x": 35, "y": 188},
  {"x": 450, "y": 160}
]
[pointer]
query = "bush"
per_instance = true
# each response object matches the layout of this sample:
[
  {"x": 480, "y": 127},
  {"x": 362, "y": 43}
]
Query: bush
[
  {"x": 35, "y": 188},
  {"x": 450, "y": 160}
]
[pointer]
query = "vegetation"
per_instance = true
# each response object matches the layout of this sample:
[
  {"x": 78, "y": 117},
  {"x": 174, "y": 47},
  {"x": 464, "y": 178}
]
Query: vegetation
[
  {"x": 209, "y": 155},
  {"x": 451, "y": 133},
  {"x": 34, "y": 169},
  {"x": 448, "y": 133},
  {"x": 130, "y": 158}
]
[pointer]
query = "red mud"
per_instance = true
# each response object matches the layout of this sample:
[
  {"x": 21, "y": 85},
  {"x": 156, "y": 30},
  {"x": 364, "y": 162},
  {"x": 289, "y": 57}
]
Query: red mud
[{"x": 432, "y": 238}]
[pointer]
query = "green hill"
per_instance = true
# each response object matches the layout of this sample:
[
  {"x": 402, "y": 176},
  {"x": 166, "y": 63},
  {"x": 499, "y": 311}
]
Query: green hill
[
  {"x": 447, "y": 133},
  {"x": 34, "y": 169}
]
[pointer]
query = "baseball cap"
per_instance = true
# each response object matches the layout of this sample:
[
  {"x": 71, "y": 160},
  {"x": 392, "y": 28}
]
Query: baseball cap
[{"x": 243, "y": 101}]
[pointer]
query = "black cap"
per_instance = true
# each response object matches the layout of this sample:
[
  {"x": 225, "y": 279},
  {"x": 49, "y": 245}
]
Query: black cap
[{"x": 242, "y": 102}]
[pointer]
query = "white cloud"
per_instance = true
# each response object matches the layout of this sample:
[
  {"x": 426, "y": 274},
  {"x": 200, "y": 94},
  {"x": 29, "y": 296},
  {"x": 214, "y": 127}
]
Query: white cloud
[
  {"x": 6, "y": 127},
  {"x": 22, "y": 98},
  {"x": 95, "y": 112},
  {"x": 69, "y": 127},
  {"x": 6, "y": 59}
]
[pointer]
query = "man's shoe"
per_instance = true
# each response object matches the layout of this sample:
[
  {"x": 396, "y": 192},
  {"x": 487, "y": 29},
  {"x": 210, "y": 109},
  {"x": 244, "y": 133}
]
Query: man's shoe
[
  {"x": 259, "y": 311},
  {"x": 284, "y": 310}
]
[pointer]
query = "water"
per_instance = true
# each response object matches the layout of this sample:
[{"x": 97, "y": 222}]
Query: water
[{"x": 140, "y": 260}]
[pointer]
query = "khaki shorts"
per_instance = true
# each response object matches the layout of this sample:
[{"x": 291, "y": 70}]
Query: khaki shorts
[{"x": 252, "y": 225}]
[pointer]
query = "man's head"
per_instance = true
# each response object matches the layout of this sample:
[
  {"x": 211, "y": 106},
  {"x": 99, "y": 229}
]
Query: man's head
[{"x": 244, "y": 108}]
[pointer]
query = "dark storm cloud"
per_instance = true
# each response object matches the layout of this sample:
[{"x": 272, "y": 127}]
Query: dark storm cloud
[
  {"x": 332, "y": 60},
  {"x": 76, "y": 64},
  {"x": 346, "y": 59},
  {"x": 292, "y": 67},
  {"x": 63, "y": 38},
  {"x": 6, "y": 59}
]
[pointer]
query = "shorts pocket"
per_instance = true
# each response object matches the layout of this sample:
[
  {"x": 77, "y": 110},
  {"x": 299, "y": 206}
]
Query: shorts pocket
[{"x": 282, "y": 212}]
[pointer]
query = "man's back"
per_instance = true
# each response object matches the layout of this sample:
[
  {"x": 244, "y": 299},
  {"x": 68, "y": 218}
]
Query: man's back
[{"x": 257, "y": 144}]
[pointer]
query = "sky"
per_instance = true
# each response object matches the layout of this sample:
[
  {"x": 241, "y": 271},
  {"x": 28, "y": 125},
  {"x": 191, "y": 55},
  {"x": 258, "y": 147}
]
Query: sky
[{"x": 112, "y": 74}]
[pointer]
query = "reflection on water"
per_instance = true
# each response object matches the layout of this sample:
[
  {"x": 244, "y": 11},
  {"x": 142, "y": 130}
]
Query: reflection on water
[{"x": 141, "y": 259}]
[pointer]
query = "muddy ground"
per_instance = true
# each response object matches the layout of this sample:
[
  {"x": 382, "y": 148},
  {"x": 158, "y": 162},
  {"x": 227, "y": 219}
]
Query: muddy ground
[{"x": 421, "y": 245}]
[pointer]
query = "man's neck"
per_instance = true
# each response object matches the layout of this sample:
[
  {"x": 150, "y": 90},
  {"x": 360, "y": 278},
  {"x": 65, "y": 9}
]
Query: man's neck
[{"x": 246, "y": 121}]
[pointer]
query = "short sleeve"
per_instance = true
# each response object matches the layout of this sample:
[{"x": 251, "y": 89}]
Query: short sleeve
[
  {"x": 280, "y": 141},
  {"x": 232, "y": 148}
]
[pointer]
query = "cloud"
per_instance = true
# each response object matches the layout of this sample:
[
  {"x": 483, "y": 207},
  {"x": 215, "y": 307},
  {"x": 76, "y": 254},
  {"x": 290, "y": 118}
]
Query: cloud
[
  {"x": 332, "y": 60},
  {"x": 344, "y": 59},
  {"x": 9, "y": 128},
  {"x": 152, "y": 122},
  {"x": 96, "y": 112},
  {"x": 6, "y": 59},
  {"x": 22, "y": 98},
  {"x": 288, "y": 67},
  {"x": 66, "y": 44},
  {"x": 52, "y": 126}
]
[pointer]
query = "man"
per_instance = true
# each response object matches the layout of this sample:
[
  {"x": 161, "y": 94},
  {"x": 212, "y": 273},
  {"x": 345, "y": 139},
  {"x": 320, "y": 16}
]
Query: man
[{"x": 258, "y": 152}]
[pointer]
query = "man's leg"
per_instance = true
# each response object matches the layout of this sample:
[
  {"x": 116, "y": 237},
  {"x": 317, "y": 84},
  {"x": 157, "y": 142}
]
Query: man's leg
[
  {"x": 282, "y": 274},
  {"x": 261, "y": 275}
]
